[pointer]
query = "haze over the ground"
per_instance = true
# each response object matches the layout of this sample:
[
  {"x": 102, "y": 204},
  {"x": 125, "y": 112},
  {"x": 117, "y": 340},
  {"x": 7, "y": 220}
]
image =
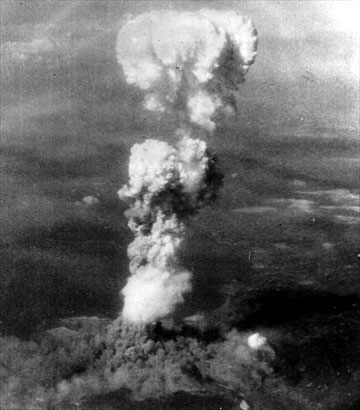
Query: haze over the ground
[{"x": 68, "y": 119}]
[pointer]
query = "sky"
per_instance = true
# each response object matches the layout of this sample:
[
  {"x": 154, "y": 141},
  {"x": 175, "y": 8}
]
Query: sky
[
  {"x": 68, "y": 118},
  {"x": 307, "y": 60},
  {"x": 65, "y": 103}
]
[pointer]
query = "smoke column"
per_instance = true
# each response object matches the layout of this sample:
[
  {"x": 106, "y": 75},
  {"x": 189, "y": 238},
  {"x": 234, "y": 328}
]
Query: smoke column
[{"x": 189, "y": 65}]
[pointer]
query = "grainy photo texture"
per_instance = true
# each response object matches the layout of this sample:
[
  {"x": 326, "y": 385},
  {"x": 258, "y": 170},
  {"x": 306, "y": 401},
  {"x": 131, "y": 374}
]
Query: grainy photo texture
[{"x": 180, "y": 205}]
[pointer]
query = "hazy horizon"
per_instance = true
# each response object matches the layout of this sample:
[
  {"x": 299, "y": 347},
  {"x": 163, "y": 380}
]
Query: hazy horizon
[{"x": 68, "y": 120}]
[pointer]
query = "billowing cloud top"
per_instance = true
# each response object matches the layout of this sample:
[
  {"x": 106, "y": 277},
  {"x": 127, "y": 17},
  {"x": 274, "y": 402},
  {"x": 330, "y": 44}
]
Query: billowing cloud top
[{"x": 185, "y": 61}]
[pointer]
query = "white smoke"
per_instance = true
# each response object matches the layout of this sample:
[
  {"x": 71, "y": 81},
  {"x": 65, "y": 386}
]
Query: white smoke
[
  {"x": 166, "y": 184},
  {"x": 188, "y": 64}
]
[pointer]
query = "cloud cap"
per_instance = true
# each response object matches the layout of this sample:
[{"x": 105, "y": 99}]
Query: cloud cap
[{"x": 187, "y": 62}]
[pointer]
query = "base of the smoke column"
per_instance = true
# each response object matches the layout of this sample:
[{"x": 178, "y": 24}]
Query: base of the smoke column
[
  {"x": 154, "y": 361},
  {"x": 151, "y": 366},
  {"x": 161, "y": 358},
  {"x": 166, "y": 329},
  {"x": 157, "y": 330},
  {"x": 121, "y": 328}
]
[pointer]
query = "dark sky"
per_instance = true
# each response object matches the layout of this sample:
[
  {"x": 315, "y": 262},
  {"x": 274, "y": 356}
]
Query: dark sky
[
  {"x": 68, "y": 120},
  {"x": 65, "y": 104}
]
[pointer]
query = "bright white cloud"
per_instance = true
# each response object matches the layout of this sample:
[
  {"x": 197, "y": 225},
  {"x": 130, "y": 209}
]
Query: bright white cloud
[{"x": 345, "y": 15}]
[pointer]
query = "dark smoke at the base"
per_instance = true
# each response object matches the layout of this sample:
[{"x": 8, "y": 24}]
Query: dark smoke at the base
[
  {"x": 88, "y": 356},
  {"x": 188, "y": 64}
]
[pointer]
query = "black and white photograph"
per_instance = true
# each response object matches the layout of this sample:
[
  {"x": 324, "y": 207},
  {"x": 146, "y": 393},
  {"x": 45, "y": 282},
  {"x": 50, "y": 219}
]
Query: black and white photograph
[{"x": 180, "y": 205}]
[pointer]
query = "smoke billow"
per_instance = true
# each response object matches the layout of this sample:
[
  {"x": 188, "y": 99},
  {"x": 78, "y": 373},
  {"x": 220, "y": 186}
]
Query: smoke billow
[
  {"x": 83, "y": 358},
  {"x": 187, "y": 63},
  {"x": 167, "y": 184}
]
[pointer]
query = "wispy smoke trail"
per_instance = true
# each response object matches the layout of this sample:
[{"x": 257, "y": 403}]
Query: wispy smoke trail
[{"x": 187, "y": 63}]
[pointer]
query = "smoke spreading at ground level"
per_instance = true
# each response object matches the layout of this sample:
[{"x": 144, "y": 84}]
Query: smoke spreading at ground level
[
  {"x": 89, "y": 362},
  {"x": 86, "y": 357},
  {"x": 224, "y": 353}
]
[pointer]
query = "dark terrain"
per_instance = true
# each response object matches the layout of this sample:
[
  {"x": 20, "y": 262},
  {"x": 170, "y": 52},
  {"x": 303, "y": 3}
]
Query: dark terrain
[
  {"x": 285, "y": 263},
  {"x": 277, "y": 254}
]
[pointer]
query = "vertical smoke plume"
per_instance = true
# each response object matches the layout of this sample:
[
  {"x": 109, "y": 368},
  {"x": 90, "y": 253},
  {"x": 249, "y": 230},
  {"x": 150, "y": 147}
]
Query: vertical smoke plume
[{"x": 188, "y": 64}]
